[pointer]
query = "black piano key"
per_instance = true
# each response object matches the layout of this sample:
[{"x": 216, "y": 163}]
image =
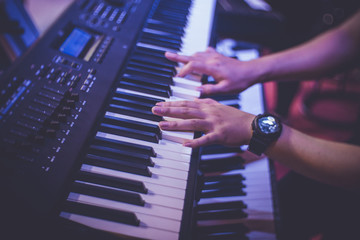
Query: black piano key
[
  {"x": 144, "y": 89},
  {"x": 230, "y": 177},
  {"x": 124, "y": 145},
  {"x": 161, "y": 39},
  {"x": 154, "y": 55},
  {"x": 151, "y": 82},
  {"x": 223, "y": 184},
  {"x": 149, "y": 57},
  {"x": 223, "y": 192},
  {"x": 107, "y": 193},
  {"x": 167, "y": 22},
  {"x": 138, "y": 98},
  {"x": 145, "y": 61},
  {"x": 124, "y": 155},
  {"x": 140, "y": 126},
  {"x": 222, "y": 164},
  {"x": 159, "y": 43},
  {"x": 221, "y": 205},
  {"x": 134, "y": 112},
  {"x": 128, "y": 132},
  {"x": 176, "y": 6},
  {"x": 173, "y": 21},
  {"x": 131, "y": 103},
  {"x": 223, "y": 236},
  {"x": 223, "y": 231},
  {"x": 150, "y": 51},
  {"x": 101, "y": 213},
  {"x": 161, "y": 34},
  {"x": 116, "y": 182},
  {"x": 115, "y": 164},
  {"x": 149, "y": 76},
  {"x": 159, "y": 69},
  {"x": 221, "y": 214}
]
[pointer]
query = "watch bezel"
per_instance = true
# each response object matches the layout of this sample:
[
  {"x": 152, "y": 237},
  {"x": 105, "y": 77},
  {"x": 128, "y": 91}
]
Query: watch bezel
[{"x": 257, "y": 130}]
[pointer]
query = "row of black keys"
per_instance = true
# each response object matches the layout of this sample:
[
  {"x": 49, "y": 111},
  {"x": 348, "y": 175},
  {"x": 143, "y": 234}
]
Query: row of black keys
[{"x": 123, "y": 156}]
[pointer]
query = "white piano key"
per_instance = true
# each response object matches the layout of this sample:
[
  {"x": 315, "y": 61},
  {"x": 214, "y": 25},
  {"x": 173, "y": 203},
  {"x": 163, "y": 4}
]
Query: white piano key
[
  {"x": 186, "y": 83},
  {"x": 165, "y": 190},
  {"x": 181, "y": 92},
  {"x": 148, "y": 209},
  {"x": 201, "y": 21},
  {"x": 141, "y": 231},
  {"x": 155, "y": 179},
  {"x": 254, "y": 100},
  {"x": 164, "y": 145},
  {"x": 168, "y": 163},
  {"x": 161, "y": 190},
  {"x": 168, "y": 172},
  {"x": 179, "y": 137},
  {"x": 173, "y": 155}
]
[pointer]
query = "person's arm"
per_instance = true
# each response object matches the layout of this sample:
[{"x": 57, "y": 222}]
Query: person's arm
[
  {"x": 325, "y": 54},
  {"x": 330, "y": 162}
]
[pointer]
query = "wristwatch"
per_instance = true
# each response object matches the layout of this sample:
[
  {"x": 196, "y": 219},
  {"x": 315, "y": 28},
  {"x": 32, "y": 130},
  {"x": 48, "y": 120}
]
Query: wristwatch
[{"x": 266, "y": 129}]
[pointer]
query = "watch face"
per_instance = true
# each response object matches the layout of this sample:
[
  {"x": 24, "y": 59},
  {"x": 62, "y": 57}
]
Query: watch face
[{"x": 268, "y": 125}]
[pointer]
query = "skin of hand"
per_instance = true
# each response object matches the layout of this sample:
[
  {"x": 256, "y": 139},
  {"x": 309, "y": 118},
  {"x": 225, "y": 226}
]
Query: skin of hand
[
  {"x": 226, "y": 71},
  {"x": 310, "y": 156},
  {"x": 220, "y": 123},
  {"x": 329, "y": 53}
]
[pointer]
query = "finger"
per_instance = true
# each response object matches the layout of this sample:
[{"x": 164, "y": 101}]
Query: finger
[
  {"x": 207, "y": 101},
  {"x": 204, "y": 140},
  {"x": 178, "y": 112},
  {"x": 185, "y": 125},
  {"x": 210, "y": 49},
  {"x": 176, "y": 57},
  {"x": 190, "y": 104},
  {"x": 209, "y": 89},
  {"x": 192, "y": 66}
]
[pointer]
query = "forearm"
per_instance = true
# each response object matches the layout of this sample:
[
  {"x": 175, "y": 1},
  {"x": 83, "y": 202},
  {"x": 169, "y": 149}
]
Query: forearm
[
  {"x": 326, "y": 54},
  {"x": 330, "y": 162}
]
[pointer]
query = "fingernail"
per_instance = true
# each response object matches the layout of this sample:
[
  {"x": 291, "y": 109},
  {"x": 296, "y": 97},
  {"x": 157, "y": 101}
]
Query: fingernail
[
  {"x": 163, "y": 124},
  {"x": 170, "y": 54},
  {"x": 157, "y": 110},
  {"x": 187, "y": 144}
]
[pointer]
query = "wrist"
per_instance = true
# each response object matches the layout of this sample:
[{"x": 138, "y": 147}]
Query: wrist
[
  {"x": 266, "y": 129},
  {"x": 264, "y": 69}
]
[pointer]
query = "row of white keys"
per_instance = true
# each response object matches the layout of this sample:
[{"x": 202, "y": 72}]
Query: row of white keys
[
  {"x": 142, "y": 231},
  {"x": 159, "y": 185},
  {"x": 198, "y": 32}
]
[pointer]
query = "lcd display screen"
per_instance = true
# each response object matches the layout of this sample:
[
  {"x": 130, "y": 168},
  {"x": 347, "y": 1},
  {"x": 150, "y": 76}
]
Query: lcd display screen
[{"x": 75, "y": 43}]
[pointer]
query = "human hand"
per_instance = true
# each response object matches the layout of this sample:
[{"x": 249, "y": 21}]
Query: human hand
[
  {"x": 231, "y": 75},
  {"x": 221, "y": 124}
]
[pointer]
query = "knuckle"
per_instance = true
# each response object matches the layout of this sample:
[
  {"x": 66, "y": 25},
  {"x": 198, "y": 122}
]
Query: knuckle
[
  {"x": 194, "y": 124},
  {"x": 184, "y": 111},
  {"x": 184, "y": 104},
  {"x": 173, "y": 124}
]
